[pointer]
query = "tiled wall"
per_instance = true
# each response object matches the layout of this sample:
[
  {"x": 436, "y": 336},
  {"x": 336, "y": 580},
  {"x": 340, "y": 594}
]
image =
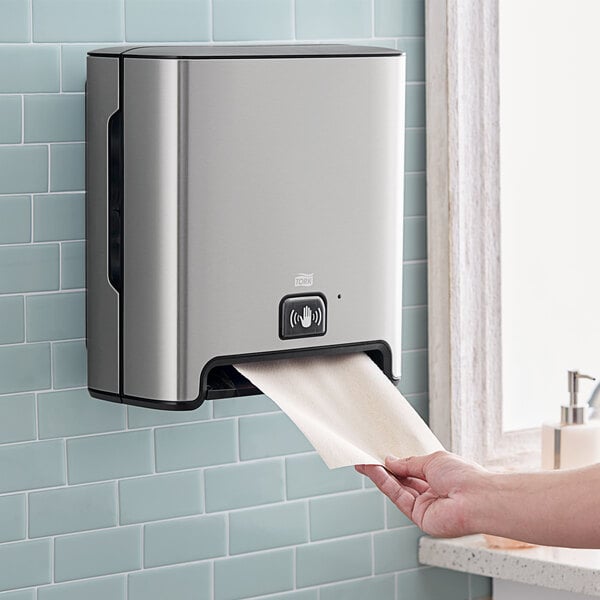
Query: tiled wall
[{"x": 102, "y": 502}]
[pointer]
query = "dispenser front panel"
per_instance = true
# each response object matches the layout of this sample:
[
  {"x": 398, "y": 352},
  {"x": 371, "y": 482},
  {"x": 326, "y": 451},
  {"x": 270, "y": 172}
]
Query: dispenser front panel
[{"x": 294, "y": 185}]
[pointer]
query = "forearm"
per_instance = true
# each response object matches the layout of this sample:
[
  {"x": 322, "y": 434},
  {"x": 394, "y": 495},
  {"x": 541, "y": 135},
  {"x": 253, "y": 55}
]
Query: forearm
[{"x": 555, "y": 508}]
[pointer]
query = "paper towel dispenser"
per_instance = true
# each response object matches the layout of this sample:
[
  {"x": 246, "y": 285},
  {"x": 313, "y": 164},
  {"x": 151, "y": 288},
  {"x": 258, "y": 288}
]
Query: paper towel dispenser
[{"x": 243, "y": 203}]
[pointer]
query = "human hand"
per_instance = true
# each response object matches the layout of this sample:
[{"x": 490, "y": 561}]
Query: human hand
[{"x": 439, "y": 492}]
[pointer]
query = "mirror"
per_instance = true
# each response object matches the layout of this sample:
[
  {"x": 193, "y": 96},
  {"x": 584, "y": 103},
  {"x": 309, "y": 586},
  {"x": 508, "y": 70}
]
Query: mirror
[{"x": 549, "y": 99}]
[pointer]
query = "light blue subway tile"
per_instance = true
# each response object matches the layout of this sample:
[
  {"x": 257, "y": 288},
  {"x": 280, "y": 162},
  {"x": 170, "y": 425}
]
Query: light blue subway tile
[
  {"x": 254, "y": 575},
  {"x": 397, "y": 550},
  {"x": 19, "y": 595},
  {"x": 109, "y": 456},
  {"x": 480, "y": 587},
  {"x": 105, "y": 588},
  {"x": 75, "y": 412},
  {"x": 184, "y": 540},
  {"x": 149, "y": 417},
  {"x": 25, "y": 564},
  {"x": 12, "y": 518},
  {"x": 333, "y": 561},
  {"x": 415, "y": 57},
  {"x": 69, "y": 365},
  {"x": 17, "y": 418},
  {"x": 10, "y": 113},
  {"x": 326, "y": 19},
  {"x": 335, "y": 516},
  {"x": 167, "y": 20},
  {"x": 238, "y": 20},
  {"x": 28, "y": 268},
  {"x": 71, "y": 509},
  {"x": 249, "y": 484},
  {"x": 195, "y": 445},
  {"x": 187, "y": 581},
  {"x": 76, "y": 21},
  {"x": 394, "y": 517},
  {"x": 55, "y": 118},
  {"x": 74, "y": 66},
  {"x": 58, "y": 217},
  {"x": 433, "y": 584},
  {"x": 15, "y": 218},
  {"x": 309, "y": 476},
  {"x": 12, "y": 318},
  {"x": 268, "y": 527},
  {"x": 415, "y": 238},
  {"x": 399, "y": 18},
  {"x": 24, "y": 368},
  {"x": 80, "y": 555},
  {"x": 420, "y": 402},
  {"x": 270, "y": 435},
  {"x": 415, "y": 105},
  {"x": 33, "y": 465},
  {"x": 14, "y": 21},
  {"x": 415, "y": 372},
  {"x": 55, "y": 316},
  {"x": 233, "y": 407},
  {"x": 72, "y": 265},
  {"x": 414, "y": 159},
  {"x": 414, "y": 284},
  {"x": 160, "y": 497},
  {"x": 414, "y": 328},
  {"x": 23, "y": 169},
  {"x": 377, "y": 588},
  {"x": 415, "y": 195},
  {"x": 67, "y": 170},
  {"x": 29, "y": 68}
]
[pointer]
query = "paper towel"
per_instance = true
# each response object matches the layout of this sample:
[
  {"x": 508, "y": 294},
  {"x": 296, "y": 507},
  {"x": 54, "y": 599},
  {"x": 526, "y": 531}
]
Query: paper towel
[{"x": 347, "y": 408}]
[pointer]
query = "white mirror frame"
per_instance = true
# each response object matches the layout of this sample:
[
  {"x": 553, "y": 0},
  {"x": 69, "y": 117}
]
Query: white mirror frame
[{"x": 463, "y": 225}]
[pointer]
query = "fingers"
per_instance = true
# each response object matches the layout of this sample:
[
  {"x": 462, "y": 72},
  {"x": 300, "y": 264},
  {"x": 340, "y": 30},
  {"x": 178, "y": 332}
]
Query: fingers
[
  {"x": 415, "y": 466},
  {"x": 400, "y": 495},
  {"x": 418, "y": 485}
]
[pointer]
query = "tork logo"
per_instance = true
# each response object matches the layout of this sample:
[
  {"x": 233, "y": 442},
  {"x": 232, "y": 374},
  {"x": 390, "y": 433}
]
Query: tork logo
[{"x": 303, "y": 280}]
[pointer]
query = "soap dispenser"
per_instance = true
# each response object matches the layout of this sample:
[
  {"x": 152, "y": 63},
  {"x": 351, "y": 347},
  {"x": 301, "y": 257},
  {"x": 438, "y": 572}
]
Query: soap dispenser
[{"x": 575, "y": 441}]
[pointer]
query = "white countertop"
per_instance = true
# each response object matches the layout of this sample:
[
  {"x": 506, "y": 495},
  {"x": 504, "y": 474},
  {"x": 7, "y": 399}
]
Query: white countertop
[{"x": 557, "y": 568}]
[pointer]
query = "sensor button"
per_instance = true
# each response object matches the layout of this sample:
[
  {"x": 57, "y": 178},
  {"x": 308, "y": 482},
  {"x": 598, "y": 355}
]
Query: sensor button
[{"x": 302, "y": 316}]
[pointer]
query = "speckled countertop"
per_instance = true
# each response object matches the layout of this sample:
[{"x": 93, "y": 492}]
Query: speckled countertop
[{"x": 558, "y": 568}]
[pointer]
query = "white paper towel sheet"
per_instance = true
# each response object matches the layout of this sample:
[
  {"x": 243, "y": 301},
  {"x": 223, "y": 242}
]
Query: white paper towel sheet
[{"x": 347, "y": 408}]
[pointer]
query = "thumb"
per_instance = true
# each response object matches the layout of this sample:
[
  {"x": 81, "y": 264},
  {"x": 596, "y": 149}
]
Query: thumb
[{"x": 414, "y": 466}]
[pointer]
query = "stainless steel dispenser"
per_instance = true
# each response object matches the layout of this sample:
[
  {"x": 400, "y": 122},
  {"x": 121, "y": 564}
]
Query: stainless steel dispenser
[{"x": 243, "y": 203}]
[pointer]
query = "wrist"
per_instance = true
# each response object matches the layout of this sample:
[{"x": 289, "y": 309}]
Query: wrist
[{"x": 484, "y": 503}]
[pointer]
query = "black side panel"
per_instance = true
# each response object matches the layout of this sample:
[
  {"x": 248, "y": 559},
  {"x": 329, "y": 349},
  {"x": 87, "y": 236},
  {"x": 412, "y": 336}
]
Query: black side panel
[{"x": 115, "y": 199}]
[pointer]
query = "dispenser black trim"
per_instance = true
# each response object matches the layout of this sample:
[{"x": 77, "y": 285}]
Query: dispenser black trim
[{"x": 379, "y": 352}]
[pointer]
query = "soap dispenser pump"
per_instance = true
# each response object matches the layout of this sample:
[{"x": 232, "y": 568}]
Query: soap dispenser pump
[{"x": 575, "y": 441}]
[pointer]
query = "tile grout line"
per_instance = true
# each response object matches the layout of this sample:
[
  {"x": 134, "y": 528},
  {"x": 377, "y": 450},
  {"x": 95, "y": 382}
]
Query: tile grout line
[
  {"x": 373, "y": 18},
  {"x": 49, "y": 168},
  {"x": 124, "y": 21},
  {"x": 30, "y": 21},
  {"x": 60, "y": 61},
  {"x": 212, "y": 578},
  {"x": 22, "y": 119}
]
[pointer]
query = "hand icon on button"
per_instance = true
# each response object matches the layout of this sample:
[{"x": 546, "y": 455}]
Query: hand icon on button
[{"x": 306, "y": 320}]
